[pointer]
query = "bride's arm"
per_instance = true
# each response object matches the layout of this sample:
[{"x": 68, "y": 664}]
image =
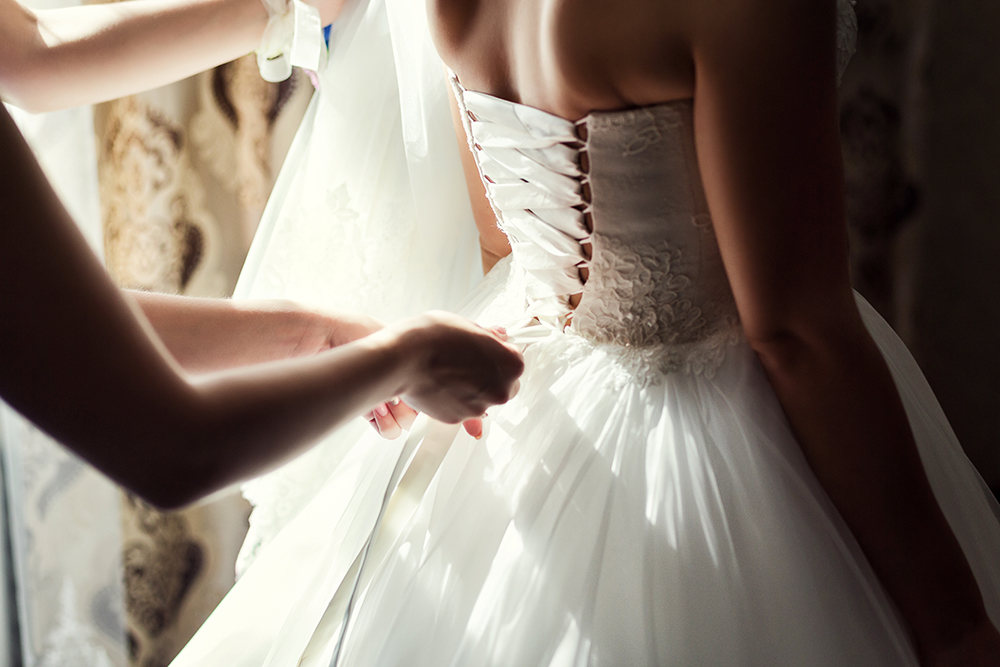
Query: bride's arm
[
  {"x": 493, "y": 242},
  {"x": 78, "y": 358},
  {"x": 58, "y": 58},
  {"x": 768, "y": 148}
]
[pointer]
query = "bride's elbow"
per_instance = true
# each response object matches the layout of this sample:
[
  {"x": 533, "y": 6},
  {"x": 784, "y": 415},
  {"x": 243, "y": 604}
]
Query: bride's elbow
[{"x": 800, "y": 344}]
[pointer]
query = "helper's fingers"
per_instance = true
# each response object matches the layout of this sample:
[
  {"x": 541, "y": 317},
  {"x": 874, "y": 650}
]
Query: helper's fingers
[
  {"x": 387, "y": 426},
  {"x": 474, "y": 427},
  {"x": 514, "y": 388},
  {"x": 402, "y": 413}
]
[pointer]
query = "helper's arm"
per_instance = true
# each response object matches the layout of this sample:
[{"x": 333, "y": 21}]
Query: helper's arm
[
  {"x": 78, "y": 358},
  {"x": 59, "y": 58},
  {"x": 206, "y": 335}
]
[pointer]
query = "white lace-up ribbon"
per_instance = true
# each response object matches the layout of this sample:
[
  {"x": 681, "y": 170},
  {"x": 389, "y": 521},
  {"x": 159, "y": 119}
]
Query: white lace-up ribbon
[
  {"x": 530, "y": 163},
  {"x": 293, "y": 38},
  {"x": 532, "y": 329}
]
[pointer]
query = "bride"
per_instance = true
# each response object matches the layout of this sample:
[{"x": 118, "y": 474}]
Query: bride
[{"x": 719, "y": 454}]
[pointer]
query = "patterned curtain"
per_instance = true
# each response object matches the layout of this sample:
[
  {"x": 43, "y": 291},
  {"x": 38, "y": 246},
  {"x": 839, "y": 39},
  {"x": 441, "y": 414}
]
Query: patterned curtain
[
  {"x": 920, "y": 118},
  {"x": 883, "y": 122},
  {"x": 184, "y": 175},
  {"x": 956, "y": 312}
]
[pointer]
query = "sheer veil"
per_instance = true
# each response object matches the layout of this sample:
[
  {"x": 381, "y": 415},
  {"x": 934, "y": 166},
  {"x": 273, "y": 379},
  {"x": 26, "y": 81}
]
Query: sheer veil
[{"x": 370, "y": 211}]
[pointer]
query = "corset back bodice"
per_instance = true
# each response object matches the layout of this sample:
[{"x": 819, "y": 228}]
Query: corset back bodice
[{"x": 627, "y": 183}]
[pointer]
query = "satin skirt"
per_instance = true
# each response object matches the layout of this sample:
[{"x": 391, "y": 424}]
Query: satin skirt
[{"x": 603, "y": 519}]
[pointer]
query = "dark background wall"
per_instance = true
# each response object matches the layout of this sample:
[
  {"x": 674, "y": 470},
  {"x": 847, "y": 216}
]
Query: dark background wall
[{"x": 921, "y": 124}]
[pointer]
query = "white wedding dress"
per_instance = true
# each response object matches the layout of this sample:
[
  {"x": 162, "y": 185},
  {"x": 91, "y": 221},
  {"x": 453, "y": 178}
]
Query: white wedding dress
[{"x": 641, "y": 501}]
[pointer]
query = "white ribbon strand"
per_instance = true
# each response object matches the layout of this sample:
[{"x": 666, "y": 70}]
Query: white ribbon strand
[{"x": 293, "y": 38}]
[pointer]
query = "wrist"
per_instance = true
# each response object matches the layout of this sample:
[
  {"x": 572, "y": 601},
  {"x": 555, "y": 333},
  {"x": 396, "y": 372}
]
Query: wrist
[
  {"x": 403, "y": 348},
  {"x": 257, "y": 15}
]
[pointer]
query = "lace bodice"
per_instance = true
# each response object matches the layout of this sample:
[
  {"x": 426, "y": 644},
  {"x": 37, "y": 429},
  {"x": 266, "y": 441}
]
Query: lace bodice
[{"x": 626, "y": 182}]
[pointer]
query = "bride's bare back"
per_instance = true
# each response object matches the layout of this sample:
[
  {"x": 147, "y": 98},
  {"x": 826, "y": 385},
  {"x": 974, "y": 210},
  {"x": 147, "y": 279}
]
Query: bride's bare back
[{"x": 569, "y": 57}]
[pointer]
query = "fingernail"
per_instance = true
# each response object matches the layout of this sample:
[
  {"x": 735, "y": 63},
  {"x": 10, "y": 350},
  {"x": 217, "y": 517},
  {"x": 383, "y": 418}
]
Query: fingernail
[{"x": 382, "y": 409}]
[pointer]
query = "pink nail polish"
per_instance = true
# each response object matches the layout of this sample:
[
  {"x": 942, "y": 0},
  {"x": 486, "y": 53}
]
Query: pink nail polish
[{"x": 382, "y": 409}]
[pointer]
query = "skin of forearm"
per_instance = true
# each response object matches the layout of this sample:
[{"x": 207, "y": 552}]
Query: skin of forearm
[
  {"x": 493, "y": 243},
  {"x": 81, "y": 55},
  {"x": 206, "y": 335},
  {"x": 844, "y": 409},
  {"x": 244, "y": 423}
]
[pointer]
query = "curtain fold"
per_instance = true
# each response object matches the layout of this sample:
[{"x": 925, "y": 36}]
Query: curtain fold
[{"x": 184, "y": 174}]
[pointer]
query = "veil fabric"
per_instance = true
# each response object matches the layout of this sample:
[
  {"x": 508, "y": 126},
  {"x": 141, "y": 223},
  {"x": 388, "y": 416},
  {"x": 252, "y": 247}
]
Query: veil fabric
[{"x": 369, "y": 213}]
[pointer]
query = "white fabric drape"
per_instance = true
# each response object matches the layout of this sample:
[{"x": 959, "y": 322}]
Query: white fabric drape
[{"x": 370, "y": 195}]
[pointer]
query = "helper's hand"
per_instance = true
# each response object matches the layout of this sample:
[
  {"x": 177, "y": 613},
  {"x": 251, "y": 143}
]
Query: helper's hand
[
  {"x": 393, "y": 417},
  {"x": 457, "y": 369}
]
